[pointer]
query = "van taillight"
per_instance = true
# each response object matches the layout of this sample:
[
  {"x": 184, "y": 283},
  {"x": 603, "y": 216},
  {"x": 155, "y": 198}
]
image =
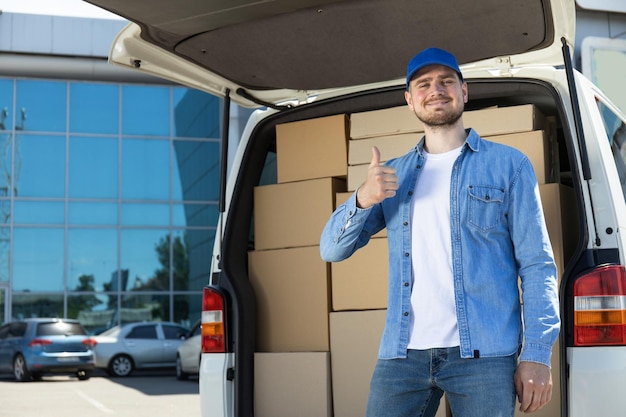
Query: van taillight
[
  {"x": 600, "y": 307},
  {"x": 213, "y": 336}
]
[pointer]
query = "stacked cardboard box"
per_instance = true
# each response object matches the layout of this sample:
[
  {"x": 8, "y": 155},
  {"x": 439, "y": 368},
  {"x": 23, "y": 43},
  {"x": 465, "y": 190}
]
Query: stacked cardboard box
[
  {"x": 292, "y": 295},
  {"x": 290, "y": 280},
  {"x": 354, "y": 339},
  {"x": 293, "y": 214},
  {"x": 360, "y": 282},
  {"x": 314, "y": 148},
  {"x": 292, "y": 384}
]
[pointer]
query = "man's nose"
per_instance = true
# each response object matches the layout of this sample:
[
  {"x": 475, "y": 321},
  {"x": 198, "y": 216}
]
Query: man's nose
[{"x": 437, "y": 90}]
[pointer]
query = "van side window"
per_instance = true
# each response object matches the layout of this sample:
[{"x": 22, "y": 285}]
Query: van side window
[{"x": 616, "y": 132}]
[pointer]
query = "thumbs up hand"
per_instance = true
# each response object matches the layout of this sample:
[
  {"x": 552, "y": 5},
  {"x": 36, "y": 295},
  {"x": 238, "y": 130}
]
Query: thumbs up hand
[{"x": 381, "y": 183}]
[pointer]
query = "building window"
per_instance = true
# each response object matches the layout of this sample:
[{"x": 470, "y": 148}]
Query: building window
[
  {"x": 617, "y": 6},
  {"x": 604, "y": 63},
  {"x": 93, "y": 167}
]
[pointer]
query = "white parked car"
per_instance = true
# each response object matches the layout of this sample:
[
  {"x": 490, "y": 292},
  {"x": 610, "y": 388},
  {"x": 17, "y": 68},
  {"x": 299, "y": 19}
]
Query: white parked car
[
  {"x": 299, "y": 60},
  {"x": 188, "y": 353},
  {"x": 143, "y": 345}
]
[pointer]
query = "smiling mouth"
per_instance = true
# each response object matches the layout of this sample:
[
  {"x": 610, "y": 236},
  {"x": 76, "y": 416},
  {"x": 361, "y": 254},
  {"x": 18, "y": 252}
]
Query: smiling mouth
[
  {"x": 437, "y": 103},
  {"x": 439, "y": 100}
]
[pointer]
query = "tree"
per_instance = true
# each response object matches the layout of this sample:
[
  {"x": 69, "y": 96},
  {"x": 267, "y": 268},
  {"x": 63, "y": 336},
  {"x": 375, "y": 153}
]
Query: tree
[
  {"x": 83, "y": 302},
  {"x": 161, "y": 279}
]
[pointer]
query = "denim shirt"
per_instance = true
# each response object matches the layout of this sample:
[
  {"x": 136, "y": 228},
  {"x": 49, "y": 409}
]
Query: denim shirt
[{"x": 498, "y": 234}]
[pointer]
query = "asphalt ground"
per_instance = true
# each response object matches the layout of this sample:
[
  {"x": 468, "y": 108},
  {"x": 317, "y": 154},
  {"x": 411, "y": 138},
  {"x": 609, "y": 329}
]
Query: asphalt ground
[{"x": 142, "y": 394}]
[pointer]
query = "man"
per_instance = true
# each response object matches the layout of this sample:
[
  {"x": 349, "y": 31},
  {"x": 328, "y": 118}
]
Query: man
[{"x": 464, "y": 221}]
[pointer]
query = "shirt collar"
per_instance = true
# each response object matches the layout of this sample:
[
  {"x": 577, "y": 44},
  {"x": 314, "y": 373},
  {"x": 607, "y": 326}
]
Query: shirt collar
[{"x": 472, "y": 141}]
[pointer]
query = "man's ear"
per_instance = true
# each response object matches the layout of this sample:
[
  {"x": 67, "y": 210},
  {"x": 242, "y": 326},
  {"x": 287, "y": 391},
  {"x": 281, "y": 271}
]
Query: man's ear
[
  {"x": 465, "y": 93},
  {"x": 409, "y": 101}
]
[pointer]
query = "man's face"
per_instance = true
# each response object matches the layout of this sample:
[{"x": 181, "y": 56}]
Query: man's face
[{"x": 436, "y": 95}]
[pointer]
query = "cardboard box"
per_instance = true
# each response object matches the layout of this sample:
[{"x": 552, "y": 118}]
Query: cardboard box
[
  {"x": 487, "y": 122},
  {"x": 505, "y": 120},
  {"x": 536, "y": 146},
  {"x": 360, "y": 151},
  {"x": 391, "y": 121},
  {"x": 354, "y": 341},
  {"x": 300, "y": 146},
  {"x": 292, "y": 384},
  {"x": 559, "y": 209},
  {"x": 293, "y": 214},
  {"x": 342, "y": 198},
  {"x": 356, "y": 176},
  {"x": 292, "y": 299},
  {"x": 361, "y": 281}
]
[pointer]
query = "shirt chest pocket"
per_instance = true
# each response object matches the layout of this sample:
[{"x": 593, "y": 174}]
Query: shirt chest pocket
[{"x": 485, "y": 206}]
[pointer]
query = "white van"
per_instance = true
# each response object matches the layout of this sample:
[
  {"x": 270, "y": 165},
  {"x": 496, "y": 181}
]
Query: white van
[{"x": 282, "y": 336}]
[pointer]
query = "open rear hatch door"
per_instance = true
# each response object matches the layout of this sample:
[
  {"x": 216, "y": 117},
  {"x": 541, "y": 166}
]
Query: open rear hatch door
[{"x": 284, "y": 50}]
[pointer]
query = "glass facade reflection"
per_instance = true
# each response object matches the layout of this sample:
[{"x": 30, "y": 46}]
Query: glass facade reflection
[{"x": 108, "y": 199}]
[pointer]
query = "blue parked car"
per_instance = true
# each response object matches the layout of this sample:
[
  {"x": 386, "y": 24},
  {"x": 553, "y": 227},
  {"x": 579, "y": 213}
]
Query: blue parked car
[{"x": 33, "y": 347}]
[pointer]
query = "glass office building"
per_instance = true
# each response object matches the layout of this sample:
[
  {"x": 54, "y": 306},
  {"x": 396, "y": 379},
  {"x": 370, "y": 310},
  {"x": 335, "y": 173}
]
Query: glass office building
[
  {"x": 108, "y": 198},
  {"x": 108, "y": 189}
]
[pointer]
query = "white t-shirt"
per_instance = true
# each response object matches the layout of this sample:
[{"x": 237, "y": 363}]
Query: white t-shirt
[{"x": 433, "y": 315}]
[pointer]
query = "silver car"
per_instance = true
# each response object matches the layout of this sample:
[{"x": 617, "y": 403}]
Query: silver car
[
  {"x": 122, "y": 349},
  {"x": 188, "y": 354}
]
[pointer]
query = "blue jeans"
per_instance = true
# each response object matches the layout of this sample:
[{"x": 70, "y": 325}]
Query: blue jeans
[{"x": 413, "y": 386}]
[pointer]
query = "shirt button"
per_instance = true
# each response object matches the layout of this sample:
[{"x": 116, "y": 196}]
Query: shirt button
[
  {"x": 406, "y": 284},
  {"x": 406, "y": 313},
  {"x": 406, "y": 254},
  {"x": 405, "y": 223},
  {"x": 410, "y": 192}
]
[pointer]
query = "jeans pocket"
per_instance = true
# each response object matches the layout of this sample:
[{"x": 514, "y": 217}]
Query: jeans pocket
[{"x": 485, "y": 206}]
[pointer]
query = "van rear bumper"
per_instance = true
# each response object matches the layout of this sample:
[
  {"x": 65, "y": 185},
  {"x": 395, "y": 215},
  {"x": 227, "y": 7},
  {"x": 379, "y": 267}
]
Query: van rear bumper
[
  {"x": 216, "y": 391},
  {"x": 596, "y": 381}
]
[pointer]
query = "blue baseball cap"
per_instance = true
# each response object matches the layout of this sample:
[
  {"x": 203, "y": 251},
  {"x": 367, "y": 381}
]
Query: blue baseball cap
[{"x": 431, "y": 56}]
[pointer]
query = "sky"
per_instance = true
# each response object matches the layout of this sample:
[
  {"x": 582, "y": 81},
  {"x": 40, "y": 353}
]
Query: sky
[{"x": 74, "y": 8}]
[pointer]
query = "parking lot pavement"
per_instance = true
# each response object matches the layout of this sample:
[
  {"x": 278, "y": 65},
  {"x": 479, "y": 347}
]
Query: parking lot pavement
[{"x": 148, "y": 394}]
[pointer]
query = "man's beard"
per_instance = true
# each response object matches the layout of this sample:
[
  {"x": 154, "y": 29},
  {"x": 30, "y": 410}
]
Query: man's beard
[{"x": 440, "y": 119}]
